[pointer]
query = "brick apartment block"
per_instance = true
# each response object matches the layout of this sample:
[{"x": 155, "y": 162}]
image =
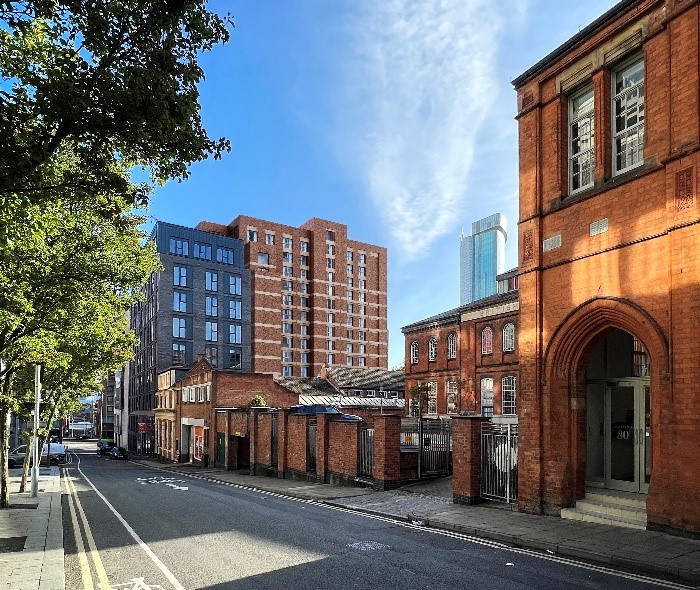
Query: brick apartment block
[
  {"x": 318, "y": 297},
  {"x": 609, "y": 235}
]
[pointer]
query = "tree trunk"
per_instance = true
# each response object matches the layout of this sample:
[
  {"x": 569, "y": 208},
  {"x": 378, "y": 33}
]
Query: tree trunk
[
  {"x": 28, "y": 438},
  {"x": 4, "y": 452}
]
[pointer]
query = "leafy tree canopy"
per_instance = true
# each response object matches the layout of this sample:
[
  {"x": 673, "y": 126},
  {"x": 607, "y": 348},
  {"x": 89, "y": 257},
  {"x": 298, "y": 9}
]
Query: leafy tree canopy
[{"x": 115, "y": 78}]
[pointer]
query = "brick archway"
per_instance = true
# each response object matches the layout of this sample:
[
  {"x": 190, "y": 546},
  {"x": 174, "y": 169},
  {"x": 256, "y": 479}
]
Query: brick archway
[
  {"x": 564, "y": 385},
  {"x": 571, "y": 341}
]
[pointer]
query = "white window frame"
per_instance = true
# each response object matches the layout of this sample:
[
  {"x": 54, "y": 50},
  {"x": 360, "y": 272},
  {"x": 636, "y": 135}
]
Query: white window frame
[
  {"x": 414, "y": 352},
  {"x": 451, "y": 396},
  {"x": 452, "y": 345},
  {"x": 508, "y": 395},
  {"x": 487, "y": 340},
  {"x": 432, "y": 397},
  {"x": 486, "y": 390},
  {"x": 638, "y": 127},
  {"x": 432, "y": 349},
  {"x": 578, "y": 121},
  {"x": 509, "y": 337}
]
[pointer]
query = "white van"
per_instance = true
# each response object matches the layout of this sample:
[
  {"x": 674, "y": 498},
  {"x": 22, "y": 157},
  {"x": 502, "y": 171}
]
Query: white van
[{"x": 58, "y": 454}]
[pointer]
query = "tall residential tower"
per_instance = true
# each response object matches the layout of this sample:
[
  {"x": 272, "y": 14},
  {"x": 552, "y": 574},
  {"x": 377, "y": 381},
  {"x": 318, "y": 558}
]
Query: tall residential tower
[{"x": 482, "y": 258}]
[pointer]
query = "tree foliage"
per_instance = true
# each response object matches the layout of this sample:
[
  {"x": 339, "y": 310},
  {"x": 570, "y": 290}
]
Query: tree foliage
[
  {"x": 257, "y": 401},
  {"x": 89, "y": 91},
  {"x": 117, "y": 79}
]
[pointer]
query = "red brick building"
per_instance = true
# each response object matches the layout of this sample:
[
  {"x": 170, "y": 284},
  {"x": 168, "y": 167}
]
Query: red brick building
[
  {"x": 187, "y": 403},
  {"x": 468, "y": 356},
  {"x": 609, "y": 235},
  {"x": 318, "y": 297},
  {"x": 202, "y": 411}
]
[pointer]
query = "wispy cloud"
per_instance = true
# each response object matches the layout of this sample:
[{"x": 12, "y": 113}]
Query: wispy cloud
[{"x": 420, "y": 87}]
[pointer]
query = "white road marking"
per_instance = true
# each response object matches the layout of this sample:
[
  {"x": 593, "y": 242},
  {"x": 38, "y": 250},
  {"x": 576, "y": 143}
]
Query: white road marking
[
  {"x": 471, "y": 539},
  {"x": 138, "y": 584},
  {"x": 168, "y": 481},
  {"x": 161, "y": 566}
]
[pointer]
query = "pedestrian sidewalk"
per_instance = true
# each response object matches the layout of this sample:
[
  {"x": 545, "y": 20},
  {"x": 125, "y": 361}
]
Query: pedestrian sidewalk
[
  {"x": 430, "y": 504},
  {"x": 31, "y": 535}
]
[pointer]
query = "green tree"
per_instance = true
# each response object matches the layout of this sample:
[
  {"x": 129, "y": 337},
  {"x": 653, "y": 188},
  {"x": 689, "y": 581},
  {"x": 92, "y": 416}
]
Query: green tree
[
  {"x": 117, "y": 79},
  {"x": 65, "y": 291},
  {"x": 257, "y": 401}
]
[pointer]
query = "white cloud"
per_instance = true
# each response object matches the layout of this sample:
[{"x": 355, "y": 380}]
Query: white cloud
[{"x": 420, "y": 85}]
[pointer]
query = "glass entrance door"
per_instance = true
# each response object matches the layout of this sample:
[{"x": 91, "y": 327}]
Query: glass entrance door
[{"x": 628, "y": 437}]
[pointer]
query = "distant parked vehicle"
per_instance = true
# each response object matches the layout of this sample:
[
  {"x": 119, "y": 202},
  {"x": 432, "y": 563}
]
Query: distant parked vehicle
[
  {"x": 119, "y": 453},
  {"x": 58, "y": 455},
  {"x": 104, "y": 448}
]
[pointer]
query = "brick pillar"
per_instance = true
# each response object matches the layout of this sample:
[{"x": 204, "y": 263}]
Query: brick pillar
[
  {"x": 322, "y": 428},
  {"x": 387, "y": 452},
  {"x": 282, "y": 418},
  {"x": 466, "y": 458}
]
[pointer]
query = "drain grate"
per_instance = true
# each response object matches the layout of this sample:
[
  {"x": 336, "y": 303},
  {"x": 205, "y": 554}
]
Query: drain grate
[{"x": 367, "y": 546}]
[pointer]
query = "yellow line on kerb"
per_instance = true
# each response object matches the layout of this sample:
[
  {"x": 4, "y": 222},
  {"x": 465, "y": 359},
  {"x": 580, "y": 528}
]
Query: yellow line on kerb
[{"x": 96, "y": 560}]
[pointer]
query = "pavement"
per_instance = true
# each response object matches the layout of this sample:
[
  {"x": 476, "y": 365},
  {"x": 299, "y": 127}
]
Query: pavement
[
  {"x": 31, "y": 538},
  {"x": 31, "y": 535}
]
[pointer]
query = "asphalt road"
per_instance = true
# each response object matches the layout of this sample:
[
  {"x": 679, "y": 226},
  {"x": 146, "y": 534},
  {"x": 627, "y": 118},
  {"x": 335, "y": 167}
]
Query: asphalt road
[{"x": 152, "y": 529}]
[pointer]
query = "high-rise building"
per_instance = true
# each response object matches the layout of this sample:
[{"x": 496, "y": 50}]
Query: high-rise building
[
  {"x": 482, "y": 258},
  {"x": 317, "y": 297},
  {"x": 255, "y": 296},
  {"x": 198, "y": 304}
]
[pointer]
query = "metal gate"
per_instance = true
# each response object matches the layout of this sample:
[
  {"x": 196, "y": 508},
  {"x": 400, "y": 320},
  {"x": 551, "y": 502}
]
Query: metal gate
[
  {"x": 274, "y": 443},
  {"x": 367, "y": 452},
  {"x": 499, "y": 462},
  {"x": 220, "y": 449},
  {"x": 311, "y": 447},
  {"x": 435, "y": 445}
]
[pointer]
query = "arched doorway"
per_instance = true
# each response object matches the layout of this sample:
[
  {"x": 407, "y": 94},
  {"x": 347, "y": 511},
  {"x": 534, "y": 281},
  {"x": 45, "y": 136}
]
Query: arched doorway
[
  {"x": 618, "y": 413},
  {"x": 605, "y": 365}
]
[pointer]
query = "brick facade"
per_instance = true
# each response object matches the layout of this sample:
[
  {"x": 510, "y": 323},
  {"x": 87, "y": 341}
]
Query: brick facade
[
  {"x": 292, "y": 295},
  {"x": 619, "y": 256},
  {"x": 470, "y": 364}
]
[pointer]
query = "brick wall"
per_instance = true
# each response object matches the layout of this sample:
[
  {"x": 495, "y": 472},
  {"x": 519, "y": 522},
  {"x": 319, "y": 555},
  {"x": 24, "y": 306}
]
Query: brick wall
[
  {"x": 343, "y": 449},
  {"x": 297, "y": 441},
  {"x": 640, "y": 276}
]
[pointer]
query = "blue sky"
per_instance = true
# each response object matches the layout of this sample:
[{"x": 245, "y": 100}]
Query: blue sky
[{"x": 395, "y": 117}]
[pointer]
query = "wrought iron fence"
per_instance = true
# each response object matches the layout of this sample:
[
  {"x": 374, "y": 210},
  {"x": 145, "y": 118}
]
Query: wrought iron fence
[{"x": 499, "y": 462}]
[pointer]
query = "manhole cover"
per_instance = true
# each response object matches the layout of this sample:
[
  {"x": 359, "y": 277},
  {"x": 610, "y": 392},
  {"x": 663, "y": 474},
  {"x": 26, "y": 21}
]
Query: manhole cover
[{"x": 367, "y": 546}]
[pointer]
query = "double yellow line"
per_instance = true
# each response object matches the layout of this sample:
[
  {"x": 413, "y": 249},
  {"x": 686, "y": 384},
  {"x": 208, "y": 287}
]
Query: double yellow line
[{"x": 76, "y": 510}]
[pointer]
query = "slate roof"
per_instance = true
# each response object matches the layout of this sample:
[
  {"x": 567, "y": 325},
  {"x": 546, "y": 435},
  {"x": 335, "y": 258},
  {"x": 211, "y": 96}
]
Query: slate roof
[
  {"x": 454, "y": 314},
  {"x": 366, "y": 378},
  {"x": 306, "y": 386}
]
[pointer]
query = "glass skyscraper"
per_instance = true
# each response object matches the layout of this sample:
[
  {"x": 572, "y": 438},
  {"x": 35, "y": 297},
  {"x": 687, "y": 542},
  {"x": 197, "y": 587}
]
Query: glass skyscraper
[{"x": 482, "y": 258}]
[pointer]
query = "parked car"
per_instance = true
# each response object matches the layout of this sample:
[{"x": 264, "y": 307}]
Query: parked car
[
  {"x": 57, "y": 455},
  {"x": 104, "y": 448},
  {"x": 119, "y": 453},
  {"x": 324, "y": 409}
]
